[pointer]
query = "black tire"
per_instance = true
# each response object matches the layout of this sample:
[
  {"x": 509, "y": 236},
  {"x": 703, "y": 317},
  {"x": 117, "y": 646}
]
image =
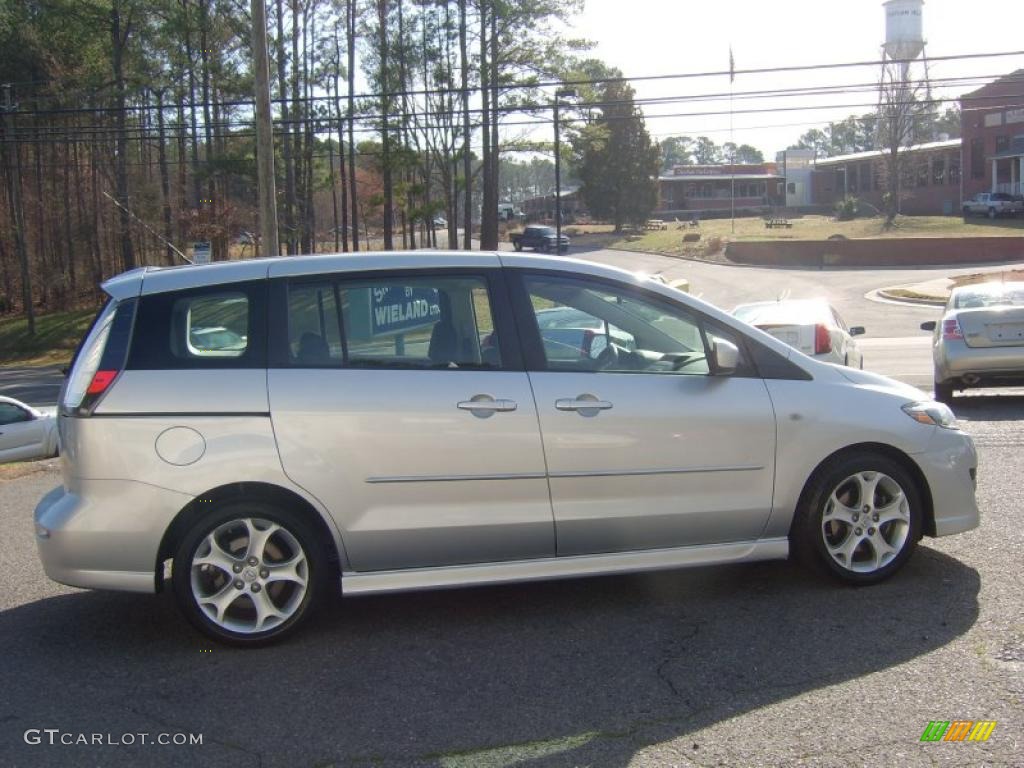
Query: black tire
[
  {"x": 517, "y": 245},
  {"x": 992, "y": 213},
  {"x": 294, "y": 529},
  {"x": 812, "y": 535},
  {"x": 944, "y": 392}
]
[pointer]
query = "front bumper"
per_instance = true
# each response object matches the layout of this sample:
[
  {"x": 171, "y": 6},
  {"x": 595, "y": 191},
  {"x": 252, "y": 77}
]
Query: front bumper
[
  {"x": 950, "y": 466},
  {"x": 105, "y": 534}
]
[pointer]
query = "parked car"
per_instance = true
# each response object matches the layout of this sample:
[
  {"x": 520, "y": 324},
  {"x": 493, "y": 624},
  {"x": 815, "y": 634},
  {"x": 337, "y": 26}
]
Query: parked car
[
  {"x": 979, "y": 341},
  {"x": 26, "y": 432},
  {"x": 540, "y": 239},
  {"x": 811, "y": 325},
  {"x": 993, "y": 204},
  {"x": 395, "y": 421}
]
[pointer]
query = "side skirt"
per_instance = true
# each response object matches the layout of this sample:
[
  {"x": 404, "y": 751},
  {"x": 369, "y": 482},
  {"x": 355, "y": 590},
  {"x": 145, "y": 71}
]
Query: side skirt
[{"x": 354, "y": 583}]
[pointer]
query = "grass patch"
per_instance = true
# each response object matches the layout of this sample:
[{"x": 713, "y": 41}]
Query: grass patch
[
  {"x": 811, "y": 228},
  {"x": 57, "y": 334}
]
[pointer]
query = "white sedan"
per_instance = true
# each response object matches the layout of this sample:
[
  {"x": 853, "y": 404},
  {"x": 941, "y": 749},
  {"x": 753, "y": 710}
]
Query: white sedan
[
  {"x": 811, "y": 325},
  {"x": 26, "y": 432}
]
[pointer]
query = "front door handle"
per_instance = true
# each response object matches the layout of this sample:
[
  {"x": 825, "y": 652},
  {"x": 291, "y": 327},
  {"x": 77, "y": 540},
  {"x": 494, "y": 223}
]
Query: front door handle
[
  {"x": 585, "y": 405},
  {"x": 485, "y": 405}
]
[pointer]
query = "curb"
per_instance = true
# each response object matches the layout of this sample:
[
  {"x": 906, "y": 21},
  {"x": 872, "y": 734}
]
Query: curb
[{"x": 883, "y": 296}]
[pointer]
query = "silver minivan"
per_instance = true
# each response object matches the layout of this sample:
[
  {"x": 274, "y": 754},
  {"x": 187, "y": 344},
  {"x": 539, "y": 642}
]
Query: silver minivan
[{"x": 261, "y": 434}]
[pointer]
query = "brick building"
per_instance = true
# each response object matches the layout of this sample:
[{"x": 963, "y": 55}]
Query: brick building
[
  {"x": 992, "y": 126},
  {"x": 930, "y": 184}
]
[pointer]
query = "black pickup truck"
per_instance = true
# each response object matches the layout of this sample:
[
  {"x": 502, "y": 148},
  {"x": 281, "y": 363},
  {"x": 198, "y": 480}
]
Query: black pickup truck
[{"x": 540, "y": 239}]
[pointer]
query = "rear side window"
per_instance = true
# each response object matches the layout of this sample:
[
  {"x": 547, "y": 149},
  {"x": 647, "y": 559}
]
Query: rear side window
[{"x": 215, "y": 327}]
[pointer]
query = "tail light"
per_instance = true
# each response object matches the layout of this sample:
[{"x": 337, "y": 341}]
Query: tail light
[
  {"x": 951, "y": 329},
  {"x": 822, "y": 340},
  {"x": 99, "y": 359}
]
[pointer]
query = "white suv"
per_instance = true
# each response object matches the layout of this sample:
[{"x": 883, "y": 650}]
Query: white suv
[{"x": 265, "y": 431}]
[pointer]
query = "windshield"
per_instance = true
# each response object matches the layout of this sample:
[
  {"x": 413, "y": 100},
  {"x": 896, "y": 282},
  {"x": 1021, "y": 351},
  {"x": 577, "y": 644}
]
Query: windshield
[{"x": 989, "y": 295}]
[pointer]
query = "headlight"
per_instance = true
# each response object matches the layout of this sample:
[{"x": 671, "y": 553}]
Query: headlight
[{"x": 931, "y": 413}]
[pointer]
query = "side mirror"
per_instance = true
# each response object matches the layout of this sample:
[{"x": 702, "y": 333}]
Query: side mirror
[
  {"x": 857, "y": 330},
  {"x": 928, "y": 326},
  {"x": 725, "y": 357}
]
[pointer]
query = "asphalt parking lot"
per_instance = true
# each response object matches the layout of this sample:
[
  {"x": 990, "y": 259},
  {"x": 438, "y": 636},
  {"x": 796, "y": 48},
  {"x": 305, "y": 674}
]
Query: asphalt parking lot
[{"x": 751, "y": 665}]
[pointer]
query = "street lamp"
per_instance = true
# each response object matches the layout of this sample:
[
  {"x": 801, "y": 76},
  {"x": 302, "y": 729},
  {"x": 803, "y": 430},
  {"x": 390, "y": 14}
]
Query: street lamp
[{"x": 564, "y": 93}]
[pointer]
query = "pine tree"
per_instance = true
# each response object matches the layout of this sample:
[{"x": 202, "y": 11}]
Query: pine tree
[{"x": 618, "y": 163}]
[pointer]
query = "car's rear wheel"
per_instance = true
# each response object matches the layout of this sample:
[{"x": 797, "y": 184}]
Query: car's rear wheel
[
  {"x": 859, "y": 519},
  {"x": 944, "y": 392},
  {"x": 249, "y": 572},
  {"x": 991, "y": 213},
  {"x": 517, "y": 245}
]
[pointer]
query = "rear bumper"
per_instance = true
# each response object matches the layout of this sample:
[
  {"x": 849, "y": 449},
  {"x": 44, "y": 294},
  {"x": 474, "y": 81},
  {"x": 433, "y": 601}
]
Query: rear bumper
[
  {"x": 954, "y": 360},
  {"x": 950, "y": 468},
  {"x": 105, "y": 536}
]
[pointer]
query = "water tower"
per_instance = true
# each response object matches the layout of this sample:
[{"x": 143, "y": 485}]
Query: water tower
[
  {"x": 904, "y": 36},
  {"x": 904, "y": 83}
]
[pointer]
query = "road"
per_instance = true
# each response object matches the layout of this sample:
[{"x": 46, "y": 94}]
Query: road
[{"x": 760, "y": 664}]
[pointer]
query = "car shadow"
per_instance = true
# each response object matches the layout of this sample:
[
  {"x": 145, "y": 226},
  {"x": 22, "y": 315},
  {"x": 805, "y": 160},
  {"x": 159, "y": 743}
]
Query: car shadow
[
  {"x": 581, "y": 672},
  {"x": 989, "y": 407}
]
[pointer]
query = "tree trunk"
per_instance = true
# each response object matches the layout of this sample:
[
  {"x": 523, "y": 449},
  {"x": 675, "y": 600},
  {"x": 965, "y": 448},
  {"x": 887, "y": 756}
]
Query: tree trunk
[
  {"x": 350, "y": 34},
  {"x": 467, "y": 136},
  {"x": 12, "y": 170},
  {"x": 165, "y": 180},
  {"x": 341, "y": 149},
  {"x": 385, "y": 86},
  {"x": 119, "y": 40},
  {"x": 486, "y": 182},
  {"x": 286, "y": 137}
]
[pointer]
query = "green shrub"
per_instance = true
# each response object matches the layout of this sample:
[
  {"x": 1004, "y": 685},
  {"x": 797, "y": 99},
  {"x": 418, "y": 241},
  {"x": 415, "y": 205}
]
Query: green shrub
[{"x": 846, "y": 209}]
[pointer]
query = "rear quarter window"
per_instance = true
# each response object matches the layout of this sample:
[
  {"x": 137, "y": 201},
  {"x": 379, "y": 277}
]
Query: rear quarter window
[{"x": 214, "y": 327}]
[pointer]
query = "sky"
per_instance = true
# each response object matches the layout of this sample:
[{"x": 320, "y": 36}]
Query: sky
[{"x": 660, "y": 37}]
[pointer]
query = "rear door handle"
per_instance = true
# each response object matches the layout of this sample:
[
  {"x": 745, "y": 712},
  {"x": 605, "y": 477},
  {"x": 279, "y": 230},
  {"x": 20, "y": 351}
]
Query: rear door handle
[
  {"x": 587, "y": 405},
  {"x": 485, "y": 405}
]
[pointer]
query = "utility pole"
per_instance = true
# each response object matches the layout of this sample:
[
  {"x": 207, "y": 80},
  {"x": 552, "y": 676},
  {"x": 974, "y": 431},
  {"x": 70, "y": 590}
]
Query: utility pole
[
  {"x": 17, "y": 214},
  {"x": 264, "y": 133},
  {"x": 564, "y": 93}
]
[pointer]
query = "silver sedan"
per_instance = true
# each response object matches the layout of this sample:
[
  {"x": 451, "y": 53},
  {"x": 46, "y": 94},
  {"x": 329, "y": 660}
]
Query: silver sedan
[
  {"x": 26, "y": 432},
  {"x": 979, "y": 341}
]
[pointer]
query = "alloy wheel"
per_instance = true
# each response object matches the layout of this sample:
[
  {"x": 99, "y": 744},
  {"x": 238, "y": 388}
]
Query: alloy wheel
[
  {"x": 865, "y": 523},
  {"x": 249, "y": 575}
]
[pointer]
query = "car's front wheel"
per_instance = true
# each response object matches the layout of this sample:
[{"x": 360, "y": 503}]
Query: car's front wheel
[
  {"x": 859, "y": 519},
  {"x": 249, "y": 572}
]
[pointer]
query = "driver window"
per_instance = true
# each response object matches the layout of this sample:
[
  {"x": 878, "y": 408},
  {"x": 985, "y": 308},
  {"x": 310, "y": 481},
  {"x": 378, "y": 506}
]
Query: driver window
[{"x": 588, "y": 326}]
